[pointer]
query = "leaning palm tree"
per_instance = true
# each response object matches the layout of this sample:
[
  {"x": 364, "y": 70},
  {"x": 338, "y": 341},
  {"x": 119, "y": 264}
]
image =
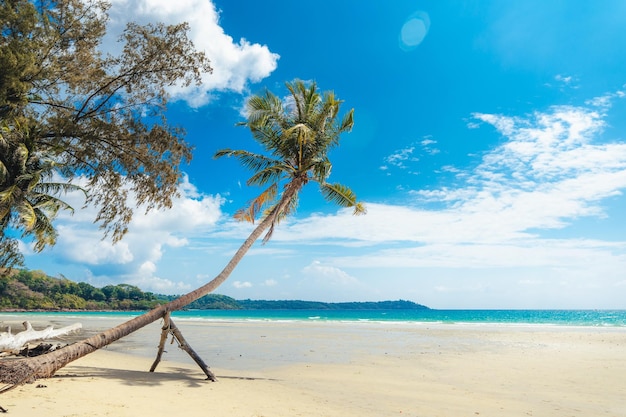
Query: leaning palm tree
[{"x": 297, "y": 134}]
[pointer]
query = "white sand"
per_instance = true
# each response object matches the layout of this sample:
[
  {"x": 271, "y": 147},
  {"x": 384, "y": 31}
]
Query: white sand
[{"x": 343, "y": 369}]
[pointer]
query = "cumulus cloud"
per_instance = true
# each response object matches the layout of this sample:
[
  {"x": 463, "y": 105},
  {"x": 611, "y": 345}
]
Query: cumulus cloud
[
  {"x": 321, "y": 280},
  {"x": 146, "y": 277},
  {"x": 552, "y": 169},
  {"x": 328, "y": 275},
  {"x": 135, "y": 259},
  {"x": 242, "y": 284},
  {"x": 235, "y": 63}
]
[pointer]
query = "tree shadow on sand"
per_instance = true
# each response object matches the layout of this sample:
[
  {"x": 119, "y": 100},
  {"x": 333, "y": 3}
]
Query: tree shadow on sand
[{"x": 135, "y": 378}]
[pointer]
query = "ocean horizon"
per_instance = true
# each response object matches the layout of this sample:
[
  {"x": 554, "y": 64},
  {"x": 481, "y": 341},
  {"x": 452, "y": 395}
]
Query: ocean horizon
[{"x": 593, "y": 318}]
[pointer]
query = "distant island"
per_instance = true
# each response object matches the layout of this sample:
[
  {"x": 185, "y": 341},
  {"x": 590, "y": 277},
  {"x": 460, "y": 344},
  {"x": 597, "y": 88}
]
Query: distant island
[{"x": 34, "y": 290}]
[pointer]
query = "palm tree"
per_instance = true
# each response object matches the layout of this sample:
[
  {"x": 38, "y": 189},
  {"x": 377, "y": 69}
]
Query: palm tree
[
  {"x": 28, "y": 199},
  {"x": 297, "y": 134}
]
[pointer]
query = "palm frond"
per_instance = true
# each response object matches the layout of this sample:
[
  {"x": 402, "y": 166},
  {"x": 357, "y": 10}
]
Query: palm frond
[
  {"x": 272, "y": 173},
  {"x": 57, "y": 188},
  {"x": 269, "y": 136},
  {"x": 250, "y": 160},
  {"x": 290, "y": 208},
  {"x": 4, "y": 172},
  {"x": 301, "y": 132},
  {"x": 321, "y": 169},
  {"x": 295, "y": 89},
  {"x": 359, "y": 208},
  {"x": 8, "y": 197},
  {"x": 347, "y": 122},
  {"x": 250, "y": 213},
  {"x": 26, "y": 215},
  {"x": 260, "y": 109},
  {"x": 51, "y": 205},
  {"x": 44, "y": 231},
  {"x": 342, "y": 196}
]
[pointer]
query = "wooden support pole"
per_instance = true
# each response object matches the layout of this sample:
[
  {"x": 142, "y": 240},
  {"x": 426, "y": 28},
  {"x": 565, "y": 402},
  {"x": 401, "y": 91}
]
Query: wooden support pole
[
  {"x": 170, "y": 327},
  {"x": 165, "y": 330},
  {"x": 182, "y": 343}
]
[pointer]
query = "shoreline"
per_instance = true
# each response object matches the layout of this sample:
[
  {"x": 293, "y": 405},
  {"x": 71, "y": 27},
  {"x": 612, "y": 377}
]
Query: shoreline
[
  {"x": 313, "y": 369},
  {"x": 523, "y": 318}
]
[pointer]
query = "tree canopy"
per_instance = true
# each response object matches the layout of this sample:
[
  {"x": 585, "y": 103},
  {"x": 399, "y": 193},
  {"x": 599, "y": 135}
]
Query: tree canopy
[
  {"x": 34, "y": 290},
  {"x": 78, "y": 113},
  {"x": 297, "y": 135}
]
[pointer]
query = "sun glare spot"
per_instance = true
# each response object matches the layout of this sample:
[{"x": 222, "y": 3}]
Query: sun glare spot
[{"x": 414, "y": 30}]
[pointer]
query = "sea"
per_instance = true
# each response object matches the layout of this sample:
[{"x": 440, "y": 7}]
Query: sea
[{"x": 587, "y": 318}]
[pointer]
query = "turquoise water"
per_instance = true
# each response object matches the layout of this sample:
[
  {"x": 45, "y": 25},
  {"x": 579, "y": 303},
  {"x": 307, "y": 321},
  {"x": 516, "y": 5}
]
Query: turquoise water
[
  {"x": 609, "y": 318},
  {"x": 553, "y": 317}
]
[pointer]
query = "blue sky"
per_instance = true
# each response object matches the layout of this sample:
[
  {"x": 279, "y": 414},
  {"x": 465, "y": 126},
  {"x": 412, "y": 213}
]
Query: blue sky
[{"x": 489, "y": 146}]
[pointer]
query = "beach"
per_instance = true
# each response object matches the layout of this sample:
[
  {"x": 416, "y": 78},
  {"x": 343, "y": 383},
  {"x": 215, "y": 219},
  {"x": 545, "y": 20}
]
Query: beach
[{"x": 280, "y": 369}]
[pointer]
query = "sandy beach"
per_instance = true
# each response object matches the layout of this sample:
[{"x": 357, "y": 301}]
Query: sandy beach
[{"x": 280, "y": 369}]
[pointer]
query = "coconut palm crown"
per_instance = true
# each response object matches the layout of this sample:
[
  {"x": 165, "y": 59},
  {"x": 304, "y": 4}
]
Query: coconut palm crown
[
  {"x": 28, "y": 196},
  {"x": 297, "y": 133}
]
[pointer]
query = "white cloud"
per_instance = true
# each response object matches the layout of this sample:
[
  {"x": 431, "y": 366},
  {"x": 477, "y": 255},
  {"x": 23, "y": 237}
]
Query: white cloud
[
  {"x": 427, "y": 143},
  {"x": 149, "y": 235},
  {"x": 328, "y": 275},
  {"x": 235, "y": 63},
  {"x": 81, "y": 243},
  {"x": 527, "y": 253},
  {"x": 405, "y": 157},
  {"x": 552, "y": 170},
  {"x": 399, "y": 157},
  {"x": 566, "y": 79},
  {"x": 605, "y": 101},
  {"x": 242, "y": 284},
  {"x": 158, "y": 285}
]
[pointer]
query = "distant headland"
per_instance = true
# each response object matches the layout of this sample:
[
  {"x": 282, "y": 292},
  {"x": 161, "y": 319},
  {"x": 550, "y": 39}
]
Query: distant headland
[{"x": 24, "y": 290}]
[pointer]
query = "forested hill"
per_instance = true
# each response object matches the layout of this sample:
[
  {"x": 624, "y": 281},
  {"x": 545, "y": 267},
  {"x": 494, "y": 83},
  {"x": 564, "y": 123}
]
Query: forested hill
[
  {"x": 316, "y": 305},
  {"x": 34, "y": 290}
]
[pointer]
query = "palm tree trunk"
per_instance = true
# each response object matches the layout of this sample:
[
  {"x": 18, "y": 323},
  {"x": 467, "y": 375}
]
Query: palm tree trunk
[{"x": 20, "y": 371}]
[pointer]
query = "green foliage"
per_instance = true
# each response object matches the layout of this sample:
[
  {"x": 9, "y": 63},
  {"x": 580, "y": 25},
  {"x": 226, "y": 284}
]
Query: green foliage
[
  {"x": 214, "y": 302},
  {"x": 317, "y": 305},
  {"x": 34, "y": 290},
  {"x": 297, "y": 136},
  {"x": 28, "y": 199},
  {"x": 65, "y": 108},
  {"x": 18, "y": 20}
]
